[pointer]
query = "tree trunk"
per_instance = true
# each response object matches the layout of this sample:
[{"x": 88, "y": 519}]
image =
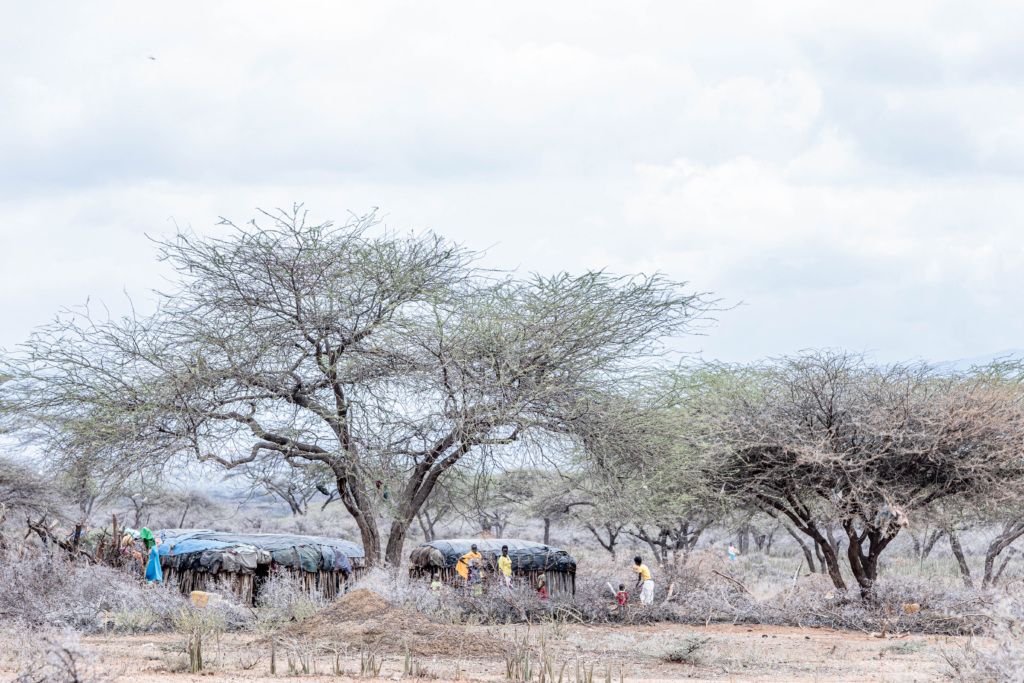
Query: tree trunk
[
  {"x": 1002, "y": 566},
  {"x": 743, "y": 539},
  {"x": 547, "y": 531},
  {"x": 958, "y": 553},
  {"x": 396, "y": 541},
  {"x": 653, "y": 544},
  {"x": 613, "y": 535},
  {"x": 803, "y": 521},
  {"x": 930, "y": 543},
  {"x": 1011, "y": 532},
  {"x": 181, "y": 523},
  {"x": 803, "y": 547},
  {"x": 832, "y": 542},
  {"x": 864, "y": 565},
  {"x": 426, "y": 526},
  {"x": 831, "y": 560},
  {"x": 365, "y": 520}
]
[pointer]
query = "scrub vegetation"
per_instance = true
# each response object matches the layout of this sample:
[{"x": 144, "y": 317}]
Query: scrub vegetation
[{"x": 349, "y": 381}]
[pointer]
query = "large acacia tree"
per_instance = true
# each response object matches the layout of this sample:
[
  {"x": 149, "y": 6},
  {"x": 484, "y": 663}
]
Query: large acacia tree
[
  {"x": 829, "y": 438},
  {"x": 384, "y": 357}
]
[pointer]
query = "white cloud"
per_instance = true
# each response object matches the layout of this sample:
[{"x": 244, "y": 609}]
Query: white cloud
[{"x": 850, "y": 171}]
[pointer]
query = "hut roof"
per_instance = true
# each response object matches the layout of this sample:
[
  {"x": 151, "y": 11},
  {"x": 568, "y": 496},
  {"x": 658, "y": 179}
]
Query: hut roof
[
  {"x": 215, "y": 551},
  {"x": 525, "y": 555}
]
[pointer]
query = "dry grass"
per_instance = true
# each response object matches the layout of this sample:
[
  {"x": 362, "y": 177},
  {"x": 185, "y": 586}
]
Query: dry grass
[{"x": 757, "y": 617}]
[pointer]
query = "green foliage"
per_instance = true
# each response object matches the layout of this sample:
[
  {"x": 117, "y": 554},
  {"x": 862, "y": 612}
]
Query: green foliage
[
  {"x": 368, "y": 354},
  {"x": 136, "y": 619}
]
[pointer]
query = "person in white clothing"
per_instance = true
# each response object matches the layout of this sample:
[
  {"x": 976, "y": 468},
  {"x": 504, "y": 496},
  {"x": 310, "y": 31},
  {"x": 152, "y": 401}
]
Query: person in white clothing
[{"x": 643, "y": 581}]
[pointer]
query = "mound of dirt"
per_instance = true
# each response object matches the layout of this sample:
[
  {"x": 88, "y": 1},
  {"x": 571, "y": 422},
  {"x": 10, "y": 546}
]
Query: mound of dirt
[{"x": 363, "y": 616}]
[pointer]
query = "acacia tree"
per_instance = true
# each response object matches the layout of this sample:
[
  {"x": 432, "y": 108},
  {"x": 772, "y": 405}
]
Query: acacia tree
[
  {"x": 385, "y": 357},
  {"x": 555, "y": 495},
  {"x": 828, "y": 436},
  {"x": 642, "y": 466}
]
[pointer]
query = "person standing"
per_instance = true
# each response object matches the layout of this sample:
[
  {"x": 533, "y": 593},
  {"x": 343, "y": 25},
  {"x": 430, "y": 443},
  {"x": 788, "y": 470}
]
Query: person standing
[
  {"x": 542, "y": 589},
  {"x": 505, "y": 567},
  {"x": 476, "y": 577},
  {"x": 462, "y": 566},
  {"x": 732, "y": 552},
  {"x": 643, "y": 581},
  {"x": 153, "y": 569}
]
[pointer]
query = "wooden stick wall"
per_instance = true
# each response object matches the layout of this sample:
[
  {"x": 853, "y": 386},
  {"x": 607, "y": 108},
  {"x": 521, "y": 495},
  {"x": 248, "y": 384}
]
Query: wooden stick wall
[{"x": 329, "y": 584}]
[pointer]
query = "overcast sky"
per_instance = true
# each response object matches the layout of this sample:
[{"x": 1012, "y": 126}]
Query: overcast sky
[{"x": 851, "y": 172}]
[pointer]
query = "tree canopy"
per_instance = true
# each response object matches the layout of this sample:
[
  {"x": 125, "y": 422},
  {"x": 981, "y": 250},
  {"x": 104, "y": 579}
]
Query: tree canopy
[
  {"x": 382, "y": 357},
  {"x": 829, "y": 436}
]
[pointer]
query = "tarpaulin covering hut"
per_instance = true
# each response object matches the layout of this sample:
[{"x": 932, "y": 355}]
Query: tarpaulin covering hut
[
  {"x": 196, "y": 559},
  {"x": 437, "y": 559}
]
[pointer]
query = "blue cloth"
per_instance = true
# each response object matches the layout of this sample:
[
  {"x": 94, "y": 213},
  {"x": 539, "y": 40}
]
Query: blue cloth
[
  {"x": 190, "y": 545},
  {"x": 153, "y": 570}
]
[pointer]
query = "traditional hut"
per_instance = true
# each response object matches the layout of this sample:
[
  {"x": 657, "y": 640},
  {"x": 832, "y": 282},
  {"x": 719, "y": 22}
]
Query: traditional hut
[
  {"x": 198, "y": 559},
  {"x": 437, "y": 560}
]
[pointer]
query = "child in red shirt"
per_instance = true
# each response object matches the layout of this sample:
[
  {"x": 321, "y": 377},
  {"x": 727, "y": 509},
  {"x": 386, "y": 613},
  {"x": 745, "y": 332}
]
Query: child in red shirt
[{"x": 622, "y": 595}]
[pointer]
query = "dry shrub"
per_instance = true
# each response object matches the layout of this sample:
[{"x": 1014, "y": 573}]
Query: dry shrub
[
  {"x": 495, "y": 607},
  {"x": 57, "y": 658},
  {"x": 1004, "y": 661},
  {"x": 248, "y": 657},
  {"x": 687, "y": 651},
  {"x": 176, "y": 662},
  {"x": 707, "y": 588},
  {"x": 282, "y": 601},
  {"x": 45, "y": 589}
]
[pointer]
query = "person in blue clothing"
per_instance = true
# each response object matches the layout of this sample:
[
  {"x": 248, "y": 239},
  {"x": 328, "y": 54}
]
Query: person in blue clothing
[{"x": 153, "y": 570}]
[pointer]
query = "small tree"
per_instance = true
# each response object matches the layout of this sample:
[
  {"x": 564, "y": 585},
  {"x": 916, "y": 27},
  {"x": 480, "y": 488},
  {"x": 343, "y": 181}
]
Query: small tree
[
  {"x": 826, "y": 435},
  {"x": 642, "y": 465}
]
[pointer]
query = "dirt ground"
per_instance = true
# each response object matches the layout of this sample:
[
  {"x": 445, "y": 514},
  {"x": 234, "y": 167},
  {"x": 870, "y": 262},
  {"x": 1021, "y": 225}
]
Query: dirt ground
[{"x": 715, "y": 653}]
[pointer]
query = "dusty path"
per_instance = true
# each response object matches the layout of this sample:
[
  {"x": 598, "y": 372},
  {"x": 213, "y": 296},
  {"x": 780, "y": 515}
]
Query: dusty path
[{"x": 716, "y": 653}]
